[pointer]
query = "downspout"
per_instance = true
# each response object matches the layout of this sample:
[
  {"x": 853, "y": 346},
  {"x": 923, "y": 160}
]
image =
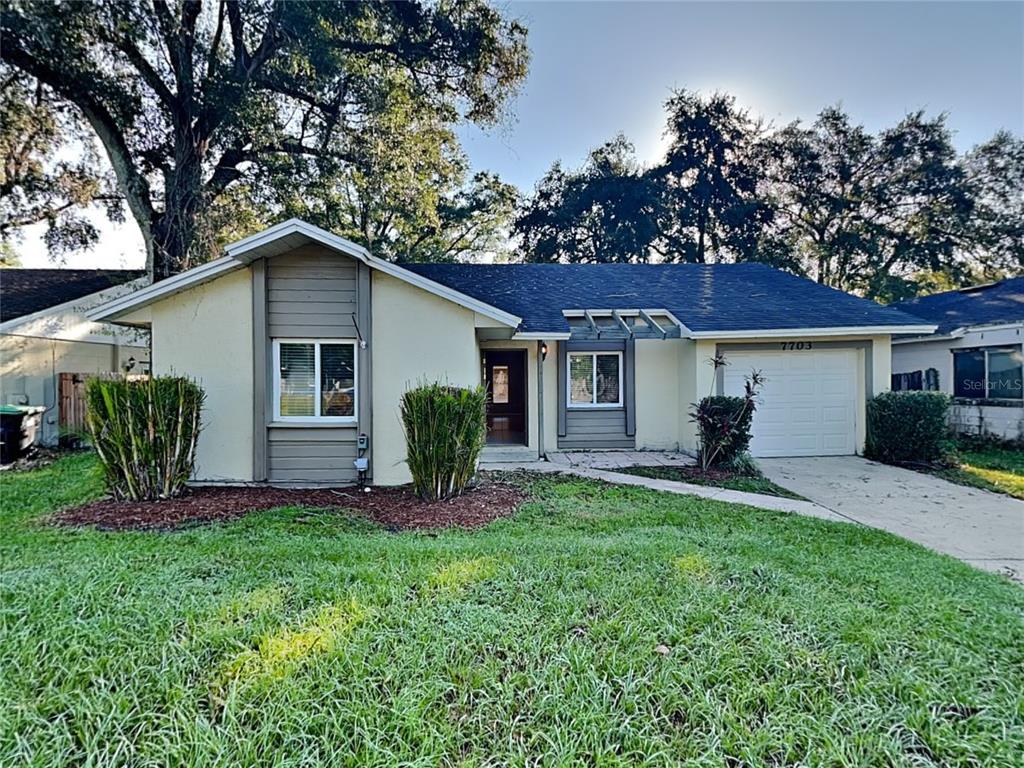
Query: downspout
[{"x": 540, "y": 400}]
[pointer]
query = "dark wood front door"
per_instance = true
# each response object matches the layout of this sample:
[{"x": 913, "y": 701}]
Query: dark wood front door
[{"x": 505, "y": 377}]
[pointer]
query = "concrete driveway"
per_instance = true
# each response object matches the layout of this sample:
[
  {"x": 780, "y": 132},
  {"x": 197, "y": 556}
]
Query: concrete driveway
[{"x": 981, "y": 528}]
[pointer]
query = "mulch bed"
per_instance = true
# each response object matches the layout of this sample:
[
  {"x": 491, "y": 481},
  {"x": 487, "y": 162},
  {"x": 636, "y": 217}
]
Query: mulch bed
[{"x": 395, "y": 508}]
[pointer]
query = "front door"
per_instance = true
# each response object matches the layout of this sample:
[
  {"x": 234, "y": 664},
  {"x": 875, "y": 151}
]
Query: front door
[{"x": 505, "y": 377}]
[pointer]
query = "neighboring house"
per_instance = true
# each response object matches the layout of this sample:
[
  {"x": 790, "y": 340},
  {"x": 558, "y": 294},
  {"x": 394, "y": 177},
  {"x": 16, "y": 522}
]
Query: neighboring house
[
  {"x": 975, "y": 355},
  {"x": 44, "y": 332},
  {"x": 305, "y": 342}
]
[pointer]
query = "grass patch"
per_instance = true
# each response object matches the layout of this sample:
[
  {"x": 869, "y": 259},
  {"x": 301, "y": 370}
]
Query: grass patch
[
  {"x": 718, "y": 478},
  {"x": 600, "y": 625},
  {"x": 993, "y": 468}
]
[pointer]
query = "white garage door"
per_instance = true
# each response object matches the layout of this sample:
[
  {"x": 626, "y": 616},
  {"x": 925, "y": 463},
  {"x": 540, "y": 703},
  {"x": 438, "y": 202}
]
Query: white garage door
[{"x": 808, "y": 405}]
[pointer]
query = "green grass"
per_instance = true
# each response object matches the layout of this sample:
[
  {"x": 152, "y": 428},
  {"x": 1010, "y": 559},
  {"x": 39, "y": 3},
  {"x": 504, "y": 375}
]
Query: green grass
[
  {"x": 602, "y": 625},
  {"x": 993, "y": 468},
  {"x": 735, "y": 482}
]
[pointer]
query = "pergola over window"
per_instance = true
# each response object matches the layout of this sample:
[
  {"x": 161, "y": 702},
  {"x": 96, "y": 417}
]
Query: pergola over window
[{"x": 619, "y": 324}]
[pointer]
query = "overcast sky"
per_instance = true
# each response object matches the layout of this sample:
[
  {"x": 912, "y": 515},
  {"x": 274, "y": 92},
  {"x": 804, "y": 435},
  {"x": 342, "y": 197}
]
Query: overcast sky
[{"x": 602, "y": 68}]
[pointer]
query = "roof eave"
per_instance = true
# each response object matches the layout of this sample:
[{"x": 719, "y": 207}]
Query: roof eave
[
  {"x": 851, "y": 330},
  {"x": 112, "y": 310},
  {"x": 262, "y": 244}
]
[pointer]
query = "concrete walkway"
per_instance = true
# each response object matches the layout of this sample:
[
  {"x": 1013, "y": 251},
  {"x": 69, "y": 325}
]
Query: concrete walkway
[
  {"x": 601, "y": 465},
  {"x": 981, "y": 528},
  {"x": 619, "y": 459}
]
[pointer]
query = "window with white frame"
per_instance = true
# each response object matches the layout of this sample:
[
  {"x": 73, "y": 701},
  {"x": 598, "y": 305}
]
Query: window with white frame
[
  {"x": 314, "y": 380},
  {"x": 595, "y": 379},
  {"x": 993, "y": 372}
]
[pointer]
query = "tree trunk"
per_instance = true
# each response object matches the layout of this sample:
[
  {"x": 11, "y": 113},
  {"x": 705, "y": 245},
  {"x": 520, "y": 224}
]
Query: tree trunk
[{"x": 176, "y": 236}]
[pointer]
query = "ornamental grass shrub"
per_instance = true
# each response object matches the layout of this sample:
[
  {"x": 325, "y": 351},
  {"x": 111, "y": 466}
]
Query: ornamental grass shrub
[
  {"x": 909, "y": 428},
  {"x": 445, "y": 428},
  {"x": 145, "y": 432}
]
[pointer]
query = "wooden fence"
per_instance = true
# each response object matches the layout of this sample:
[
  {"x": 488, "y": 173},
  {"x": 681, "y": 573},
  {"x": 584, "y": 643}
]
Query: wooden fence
[{"x": 71, "y": 389}]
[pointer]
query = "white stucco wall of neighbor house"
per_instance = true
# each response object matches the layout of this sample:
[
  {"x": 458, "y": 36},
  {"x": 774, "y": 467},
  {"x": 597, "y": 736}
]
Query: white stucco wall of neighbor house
[
  {"x": 37, "y": 348},
  {"x": 416, "y": 336},
  {"x": 206, "y": 333},
  {"x": 1004, "y": 420}
]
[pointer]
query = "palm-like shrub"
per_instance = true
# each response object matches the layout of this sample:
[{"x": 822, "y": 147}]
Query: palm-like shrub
[
  {"x": 445, "y": 429},
  {"x": 723, "y": 422},
  {"x": 145, "y": 433}
]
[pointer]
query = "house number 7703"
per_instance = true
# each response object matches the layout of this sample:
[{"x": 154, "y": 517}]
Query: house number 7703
[{"x": 789, "y": 345}]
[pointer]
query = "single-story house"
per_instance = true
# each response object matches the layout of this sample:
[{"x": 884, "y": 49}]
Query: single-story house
[
  {"x": 975, "y": 355},
  {"x": 305, "y": 342},
  {"x": 44, "y": 332}
]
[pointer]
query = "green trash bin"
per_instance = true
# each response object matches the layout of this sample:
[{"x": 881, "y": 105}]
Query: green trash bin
[{"x": 20, "y": 427}]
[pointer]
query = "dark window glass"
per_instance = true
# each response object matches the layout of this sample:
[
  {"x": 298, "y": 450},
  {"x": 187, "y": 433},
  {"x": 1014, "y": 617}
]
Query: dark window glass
[
  {"x": 337, "y": 380},
  {"x": 969, "y": 373},
  {"x": 607, "y": 379},
  {"x": 1004, "y": 374}
]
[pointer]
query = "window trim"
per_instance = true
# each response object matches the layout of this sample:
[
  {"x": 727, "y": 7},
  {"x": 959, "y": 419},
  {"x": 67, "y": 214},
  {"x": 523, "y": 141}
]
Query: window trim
[
  {"x": 569, "y": 404},
  {"x": 985, "y": 352},
  {"x": 315, "y": 419}
]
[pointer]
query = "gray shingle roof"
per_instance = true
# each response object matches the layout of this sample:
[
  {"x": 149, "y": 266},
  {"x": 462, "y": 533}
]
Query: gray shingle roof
[
  {"x": 24, "y": 291},
  {"x": 719, "y": 297},
  {"x": 1001, "y": 302}
]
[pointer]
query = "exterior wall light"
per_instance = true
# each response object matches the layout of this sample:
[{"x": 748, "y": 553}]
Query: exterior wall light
[{"x": 543, "y": 351}]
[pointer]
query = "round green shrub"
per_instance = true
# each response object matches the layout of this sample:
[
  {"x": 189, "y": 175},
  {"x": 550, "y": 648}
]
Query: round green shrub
[{"x": 909, "y": 428}]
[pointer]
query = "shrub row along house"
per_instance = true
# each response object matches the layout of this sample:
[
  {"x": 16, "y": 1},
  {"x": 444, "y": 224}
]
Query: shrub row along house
[
  {"x": 305, "y": 342},
  {"x": 975, "y": 355}
]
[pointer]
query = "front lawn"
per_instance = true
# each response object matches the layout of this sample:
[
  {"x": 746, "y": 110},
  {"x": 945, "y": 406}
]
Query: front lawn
[
  {"x": 993, "y": 468},
  {"x": 601, "y": 625},
  {"x": 718, "y": 478}
]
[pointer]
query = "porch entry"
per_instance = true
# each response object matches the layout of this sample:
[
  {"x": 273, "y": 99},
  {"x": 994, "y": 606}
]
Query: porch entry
[{"x": 505, "y": 379}]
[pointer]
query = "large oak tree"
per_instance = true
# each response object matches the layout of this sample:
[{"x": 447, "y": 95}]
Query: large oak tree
[
  {"x": 192, "y": 100},
  {"x": 50, "y": 172}
]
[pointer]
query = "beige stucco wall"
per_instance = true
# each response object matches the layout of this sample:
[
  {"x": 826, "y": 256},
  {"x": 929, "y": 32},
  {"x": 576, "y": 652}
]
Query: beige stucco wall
[
  {"x": 29, "y": 369},
  {"x": 416, "y": 336},
  {"x": 659, "y": 379},
  {"x": 206, "y": 333}
]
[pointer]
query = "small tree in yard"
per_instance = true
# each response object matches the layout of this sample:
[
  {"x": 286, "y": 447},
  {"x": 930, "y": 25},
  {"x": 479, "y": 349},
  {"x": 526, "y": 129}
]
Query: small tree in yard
[
  {"x": 445, "y": 428},
  {"x": 723, "y": 422},
  {"x": 145, "y": 433}
]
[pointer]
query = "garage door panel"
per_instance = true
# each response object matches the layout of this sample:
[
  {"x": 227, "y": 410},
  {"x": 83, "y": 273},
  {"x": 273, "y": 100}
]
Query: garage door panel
[
  {"x": 807, "y": 406},
  {"x": 803, "y": 416},
  {"x": 835, "y": 415}
]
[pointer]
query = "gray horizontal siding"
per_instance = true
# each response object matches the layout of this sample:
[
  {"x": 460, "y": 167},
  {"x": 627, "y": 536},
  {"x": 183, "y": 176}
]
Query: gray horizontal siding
[
  {"x": 596, "y": 428},
  {"x": 311, "y": 293},
  {"x": 315, "y": 455}
]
